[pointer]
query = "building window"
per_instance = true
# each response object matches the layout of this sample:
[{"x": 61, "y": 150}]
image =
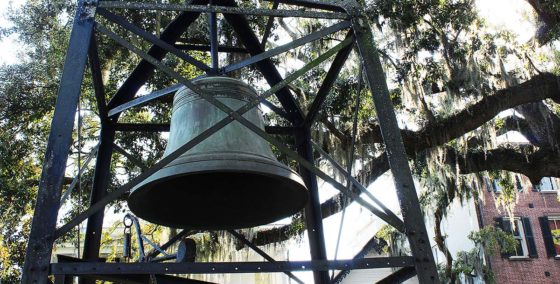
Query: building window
[
  {"x": 492, "y": 185},
  {"x": 547, "y": 184},
  {"x": 550, "y": 226},
  {"x": 521, "y": 230},
  {"x": 496, "y": 186},
  {"x": 519, "y": 234}
]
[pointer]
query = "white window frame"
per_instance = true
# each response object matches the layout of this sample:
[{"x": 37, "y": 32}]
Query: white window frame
[
  {"x": 553, "y": 218},
  {"x": 552, "y": 183},
  {"x": 496, "y": 186},
  {"x": 521, "y": 230}
]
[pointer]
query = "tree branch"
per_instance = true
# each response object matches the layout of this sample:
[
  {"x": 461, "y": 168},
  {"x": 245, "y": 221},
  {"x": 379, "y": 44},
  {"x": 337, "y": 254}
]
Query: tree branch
[
  {"x": 535, "y": 164},
  {"x": 536, "y": 89}
]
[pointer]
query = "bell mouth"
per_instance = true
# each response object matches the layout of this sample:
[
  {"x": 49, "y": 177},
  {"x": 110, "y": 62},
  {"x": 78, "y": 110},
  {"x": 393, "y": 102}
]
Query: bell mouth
[{"x": 218, "y": 200}]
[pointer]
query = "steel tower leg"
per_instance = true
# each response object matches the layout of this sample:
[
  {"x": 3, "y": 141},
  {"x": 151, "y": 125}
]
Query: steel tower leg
[
  {"x": 313, "y": 216},
  {"x": 415, "y": 227},
  {"x": 41, "y": 237},
  {"x": 102, "y": 176}
]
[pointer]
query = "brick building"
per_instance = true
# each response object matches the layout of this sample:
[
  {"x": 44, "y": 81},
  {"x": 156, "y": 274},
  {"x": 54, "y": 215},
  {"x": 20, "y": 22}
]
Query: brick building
[{"x": 537, "y": 231}]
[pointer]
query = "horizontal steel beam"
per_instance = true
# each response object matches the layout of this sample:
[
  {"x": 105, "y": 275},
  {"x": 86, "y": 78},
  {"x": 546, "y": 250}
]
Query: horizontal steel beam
[
  {"x": 143, "y": 127},
  {"x": 203, "y": 47},
  {"x": 143, "y": 100},
  {"x": 96, "y": 268},
  {"x": 286, "y": 47},
  {"x": 315, "y": 4},
  {"x": 222, "y": 10},
  {"x": 127, "y": 278}
]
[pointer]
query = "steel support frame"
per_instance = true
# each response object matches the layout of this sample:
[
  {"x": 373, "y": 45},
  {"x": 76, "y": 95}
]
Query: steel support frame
[
  {"x": 41, "y": 236},
  {"x": 313, "y": 216},
  {"x": 43, "y": 231},
  {"x": 147, "y": 268},
  {"x": 415, "y": 228}
]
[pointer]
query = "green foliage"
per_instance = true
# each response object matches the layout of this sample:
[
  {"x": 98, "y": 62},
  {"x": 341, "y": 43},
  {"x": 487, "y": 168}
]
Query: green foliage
[
  {"x": 393, "y": 241},
  {"x": 494, "y": 241},
  {"x": 470, "y": 263},
  {"x": 487, "y": 240}
]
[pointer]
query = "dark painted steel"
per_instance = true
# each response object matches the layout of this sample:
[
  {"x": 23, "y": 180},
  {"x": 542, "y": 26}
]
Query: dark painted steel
[
  {"x": 41, "y": 239},
  {"x": 97, "y": 79},
  {"x": 202, "y": 47},
  {"x": 286, "y": 47},
  {"x": 388, "y": 215},
  {"x": 254, "y": 128},
  {"x": 139, "y": 236},
  {"x": 62, "y": 279},
  {"x": 130, "y": 157},
  {"x": 313, "y": 216},
  {"x": 227, "y": 267},
  {"x": 208, "y": 132},
  {"x": 143, "y": 100},
  {"x": 242, "y": 28},
  {"x": 399, "y": 276},
  {"x": 153, "y": 39},
  {"x": 222, "y": 9},
  {"x": 127, "y": 278},
  {"x": 268, "y": 27},
  {"x": 261, "y": 253},
  {"x": 101, "y": 179},
  {"x": 315, "y": 4},
  {"x": 415, "y": 227},
  {"x": 143, "y": 279},
  {"x": 231, "y": 180},
  {"x": 213, "y": 28},
  {"x": 164, "y": 258},
  {"x": 145, "y": 70},
  {"x": 281, "y": 130},
  {"x": 170, "y": 242},
  {"x": 327, "y": 84}
]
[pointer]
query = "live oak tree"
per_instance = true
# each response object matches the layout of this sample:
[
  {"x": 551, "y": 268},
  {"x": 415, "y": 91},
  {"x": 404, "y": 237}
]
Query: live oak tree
[{"x": 450, "y": 76}]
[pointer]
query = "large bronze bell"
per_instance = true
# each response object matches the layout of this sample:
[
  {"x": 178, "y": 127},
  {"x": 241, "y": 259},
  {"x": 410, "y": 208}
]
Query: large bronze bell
[{"x": 231, "y": 180}]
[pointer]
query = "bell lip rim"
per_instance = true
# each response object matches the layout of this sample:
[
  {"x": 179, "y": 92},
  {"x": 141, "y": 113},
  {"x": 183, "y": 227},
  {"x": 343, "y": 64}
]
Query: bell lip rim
[
  {"x": 300, "y": 185},
  {"x": 298, "y": 180}
]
